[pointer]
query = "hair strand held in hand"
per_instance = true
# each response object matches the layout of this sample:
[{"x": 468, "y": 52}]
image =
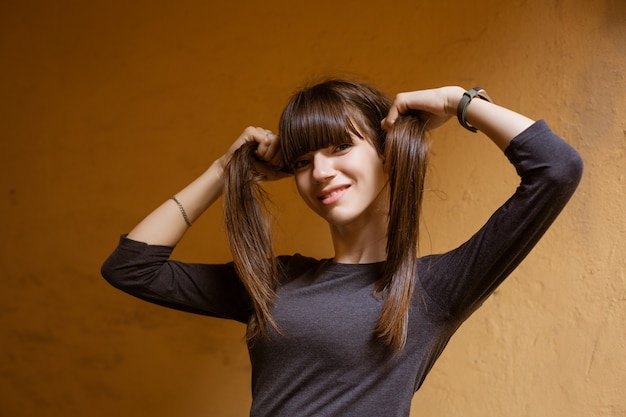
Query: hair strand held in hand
[
  {"x": 249, "y": 237},
  {"x": 406, "y": 158}
]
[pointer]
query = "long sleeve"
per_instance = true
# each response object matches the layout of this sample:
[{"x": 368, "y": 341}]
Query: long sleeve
[
  {"x": 550, "y": 171},
  {"x": 146, "y": 272}
]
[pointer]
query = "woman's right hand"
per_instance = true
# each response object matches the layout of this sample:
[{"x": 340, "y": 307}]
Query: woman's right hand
[
  {"x": 166, "y": 225},
  {"x": 267, "y": 153}
]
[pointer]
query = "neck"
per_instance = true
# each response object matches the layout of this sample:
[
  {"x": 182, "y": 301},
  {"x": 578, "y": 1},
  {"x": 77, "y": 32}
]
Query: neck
[{"x": 358, "y": 244}]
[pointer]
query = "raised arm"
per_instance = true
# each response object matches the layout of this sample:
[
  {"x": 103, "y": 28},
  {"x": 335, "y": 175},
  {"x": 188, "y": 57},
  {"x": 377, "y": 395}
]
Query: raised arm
[
  {"x": 501, "y": 125},
  {"x": 549, "y": 169},
  {"x": 167, "y": 224}
]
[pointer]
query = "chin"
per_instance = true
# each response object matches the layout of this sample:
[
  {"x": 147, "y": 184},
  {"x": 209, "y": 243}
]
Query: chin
[{"x": 340, "y": 219}]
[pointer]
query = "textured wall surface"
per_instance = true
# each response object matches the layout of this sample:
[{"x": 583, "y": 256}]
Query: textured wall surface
[{"x": 109, "y": 107}]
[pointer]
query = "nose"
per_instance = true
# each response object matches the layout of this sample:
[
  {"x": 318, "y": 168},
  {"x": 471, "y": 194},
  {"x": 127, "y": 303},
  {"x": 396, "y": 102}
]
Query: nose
[{"x": 323, "y": 168}]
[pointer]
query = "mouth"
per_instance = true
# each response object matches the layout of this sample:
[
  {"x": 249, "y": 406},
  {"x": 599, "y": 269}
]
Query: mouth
[{"x": 331, "y": 195}]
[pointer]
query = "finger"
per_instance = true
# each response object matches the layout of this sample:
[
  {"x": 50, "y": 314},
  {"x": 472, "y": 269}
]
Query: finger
[
  {"x": 269, "y": 147},
  {"x": 392, "y": 116},
  {"x": 261, "y": 137},
  {"x": 398, "y": 107},
  {"x": 273, "y": 153}
]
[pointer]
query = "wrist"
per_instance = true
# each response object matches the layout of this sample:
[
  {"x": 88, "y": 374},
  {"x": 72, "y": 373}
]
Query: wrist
[
  {"x": 453, "y": 99},
  {"x": 217, "y": 169},
  {"x": 219, "y": 165},
  {"x": 464, "y": 103}
]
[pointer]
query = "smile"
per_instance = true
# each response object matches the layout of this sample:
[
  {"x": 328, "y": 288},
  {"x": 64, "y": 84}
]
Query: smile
[{"x": 330, "y": 196}]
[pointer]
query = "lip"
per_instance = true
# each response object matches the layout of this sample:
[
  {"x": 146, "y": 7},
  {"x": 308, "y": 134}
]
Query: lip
[{"x": 330, "y": 195}]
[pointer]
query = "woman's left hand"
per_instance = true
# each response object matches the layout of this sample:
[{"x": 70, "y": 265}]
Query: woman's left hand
[{"x": 438, "y": 104}]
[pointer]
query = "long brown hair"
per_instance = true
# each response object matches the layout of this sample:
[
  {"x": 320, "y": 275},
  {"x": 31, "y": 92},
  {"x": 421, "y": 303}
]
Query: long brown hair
[{"x": 319, "y": 116}]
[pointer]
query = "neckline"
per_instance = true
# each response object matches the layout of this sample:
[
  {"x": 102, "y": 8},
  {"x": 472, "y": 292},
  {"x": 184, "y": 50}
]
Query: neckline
[{"x": 331, "y": 265}]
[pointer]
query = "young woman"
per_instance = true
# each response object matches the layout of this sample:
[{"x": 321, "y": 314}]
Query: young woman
[{"x": 357, "y": 334}]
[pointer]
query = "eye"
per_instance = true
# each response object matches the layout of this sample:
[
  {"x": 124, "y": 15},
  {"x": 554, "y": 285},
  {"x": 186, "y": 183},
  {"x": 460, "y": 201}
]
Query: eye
[
  {"x": 300, "y": 163},
  {"x": 343, "y": 147}
]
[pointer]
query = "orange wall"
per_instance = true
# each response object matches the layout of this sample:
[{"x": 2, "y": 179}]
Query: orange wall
[{"x": 109, "y": 107}]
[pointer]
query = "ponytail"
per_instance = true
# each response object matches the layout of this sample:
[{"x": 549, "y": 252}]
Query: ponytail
[
  {"x": 249, "y": 237},
  {"x": 406, "y": 153}
]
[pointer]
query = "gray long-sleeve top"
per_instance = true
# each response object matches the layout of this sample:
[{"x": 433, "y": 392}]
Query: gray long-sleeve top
[{"x": 328, "y": 361}]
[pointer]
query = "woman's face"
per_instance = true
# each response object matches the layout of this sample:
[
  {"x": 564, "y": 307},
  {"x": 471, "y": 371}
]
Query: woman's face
[{"x": 343, "y": 183}]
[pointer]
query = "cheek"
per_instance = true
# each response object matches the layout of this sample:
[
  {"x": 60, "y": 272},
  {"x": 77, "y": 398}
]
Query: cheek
[
  {"x": 379, "y": 180},
  {"x": 375, "y": 170},
  {"x": 297, "y": 179},
  {"x": 302, "y": 187}
]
